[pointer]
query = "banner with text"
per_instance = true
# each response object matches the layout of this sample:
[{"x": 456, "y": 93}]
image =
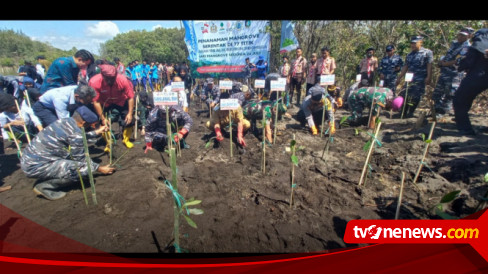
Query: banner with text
[{"x": 219, "y": 48}]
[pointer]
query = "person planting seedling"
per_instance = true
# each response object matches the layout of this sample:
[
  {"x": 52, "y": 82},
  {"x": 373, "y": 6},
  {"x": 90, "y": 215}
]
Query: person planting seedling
[{"x": 312, "y": 110}]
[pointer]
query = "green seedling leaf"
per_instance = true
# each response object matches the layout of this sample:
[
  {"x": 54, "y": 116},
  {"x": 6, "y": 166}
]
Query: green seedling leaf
[
  {"x": 190, "y": 221},
  {"x": 449, "y": 197},
  {"x": 378, "y": 120},
  {"x": 367, "y": 145},
  {"x": 195, "y": 202},
  {"x": 302, "y": 148},
  {"x": 423, "y": 137},
  {"x": 344, "y": 119},
  {"x": 294, "y": 160},
  {"x": 196, "y": 211},
  {"x": 428, "y": 141},
  {"x": 356, "y": 132},
  {"x": 486, "y": 178},
  {"x": 444, "y": 215},
  {"x": 293, "y": 143}
]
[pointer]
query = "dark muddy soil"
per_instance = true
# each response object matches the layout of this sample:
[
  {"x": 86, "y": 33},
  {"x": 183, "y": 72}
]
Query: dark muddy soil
[{"x": 247, "y": 211}]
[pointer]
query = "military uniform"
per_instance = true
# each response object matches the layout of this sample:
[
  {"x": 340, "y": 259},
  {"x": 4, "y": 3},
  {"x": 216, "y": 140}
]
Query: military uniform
[
  {"x": 156, "y": 126},
  {"x": 211, "y": 95},
  {"x": 389, "y": 67},
  {"x": 417, "y": 64},
  {"x": 363, "y": 97},
  {"x": 48, "y": 157},
  {"x": 443, "y": 91}
]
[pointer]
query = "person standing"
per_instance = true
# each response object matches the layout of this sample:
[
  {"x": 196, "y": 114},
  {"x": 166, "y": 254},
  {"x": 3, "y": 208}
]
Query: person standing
[
  {"x": 419, "y": 62},
  {"x": 64, "y": 70},
  {"x": 368, "y": 66},
  {"x": 311, "y": 73},
  {"x": 119, "y": 65},
  {"x": 476, "y": 81},
  {"x": 298, "y": 74},
  {"x": 247, "y": 71},
  {"x": 262, "y": 67},
  {"x": 443, "y": 90},
  {"x": 285, "y": 73},
  {"x": 389, "y": 67}
]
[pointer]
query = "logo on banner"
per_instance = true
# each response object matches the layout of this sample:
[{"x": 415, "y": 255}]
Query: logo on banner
[
  {"x": 213, "y": 28},
  {"x": 248, "y": 23},
  {"x": 222, "y": 29},
  {"x": 238, "y": 25},
  {"x": 205, "y": 28}
]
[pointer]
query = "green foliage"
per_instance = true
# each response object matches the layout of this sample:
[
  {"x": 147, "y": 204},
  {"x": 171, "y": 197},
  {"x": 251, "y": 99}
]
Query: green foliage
[
  {"x": 294, "y": 160},
  {"x": 486, "y": 178},
  {"x": 190, "y": 221},
  {"x": 287, "y": 42},
  {"x": 439, "y": 208},
  {"x": 449, "y": 197}
]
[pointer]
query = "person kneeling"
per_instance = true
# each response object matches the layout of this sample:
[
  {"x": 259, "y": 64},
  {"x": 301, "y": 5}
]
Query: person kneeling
[
  {"x": 312, "y": 109},
  {"x": 156, "y": 130},
  {"x": 57, "y": 153}
]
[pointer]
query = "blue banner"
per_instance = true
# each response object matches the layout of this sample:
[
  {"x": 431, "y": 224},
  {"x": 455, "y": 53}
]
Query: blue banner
[
  {"x": 219, "y": 48},
  {"x": 288, "y": 40}
]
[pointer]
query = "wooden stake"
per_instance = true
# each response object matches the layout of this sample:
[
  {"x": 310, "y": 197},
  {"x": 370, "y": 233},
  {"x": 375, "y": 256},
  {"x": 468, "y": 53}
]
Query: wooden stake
[
  {"x": 369, "y": 154},
  {"x": 397, "y": 214},
  {"x": 276, "y": 116},
  {"x": 27, "y": 98},
  {"x": 371, "y": 108},
  {"x": 110, "y": 138},
  {"x": 323, "y": 121},
  {"x": 168, "y": 128},
  {"x": 405, "y": 101},
  {"x": 23, "y": 121},
  {"x": 174, "y": 183},
  {"x": 230, "y": 130},
  {"x": 426, "y": 149},
  {"x": 263, "y": 164},
  {"x": 292, "y": 172},
  {"x": 15, "y": 140},
  {"x": 137, "y": 116},
  {"x": 88, "y": 163}
]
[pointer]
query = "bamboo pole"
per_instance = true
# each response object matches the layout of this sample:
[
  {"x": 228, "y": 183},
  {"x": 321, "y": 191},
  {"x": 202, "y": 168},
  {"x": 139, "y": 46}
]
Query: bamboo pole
[
  {"x": 323, "y": 118},
  {"x": 137, "y": 116},
  {"x": 168, "y": 128},
  {"x": 292, "y": 172},
  {"x": 369, "y": 154},
  {"x": 230, "y": 130},
  {"x": 178, "y": 147},
  {"x": 88, "y": 163},
  {"x": 397, "y": 214},
  {"x": 263, "y": 164},
  {"x": 23, "y": 121},
  {"x": 174, "y": 183},
  {"x": 276, "y": 116},
  {"x": 405, "y": 101},
  {"x": 110, "y": 138},
  {"x": 371, "y": 107},
  {"x": 28, "y": 98},
  {"x": 15, "y": 140},
  {"x": 426, "y": 149}
]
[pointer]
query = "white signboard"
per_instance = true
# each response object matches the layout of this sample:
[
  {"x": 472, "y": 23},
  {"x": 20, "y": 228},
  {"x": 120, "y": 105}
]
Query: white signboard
[
  {"x": 408, "y": 77},
  {"x": 358, "y": 78},
  {"x": 326, "y": 80},
  {"x": 258, "y": 83},
  {"x": 278, "y": 85},
  {"x": 165, "y": 98},
  {"x": 225, "y": 84},
  {"x": 382, "y": 83},
  {"x": 177, "y": 86},
  {"x": 229, "y": 104}
]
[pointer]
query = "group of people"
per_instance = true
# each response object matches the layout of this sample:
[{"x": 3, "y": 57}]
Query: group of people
[{"x": 79, "y": 92}]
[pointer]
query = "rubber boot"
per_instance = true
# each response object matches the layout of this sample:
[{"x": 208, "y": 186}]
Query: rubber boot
[
  {"x": 126, "y": 134},
  {"x": 108, "y": 140},
  {"x": 49, "y": 189}
]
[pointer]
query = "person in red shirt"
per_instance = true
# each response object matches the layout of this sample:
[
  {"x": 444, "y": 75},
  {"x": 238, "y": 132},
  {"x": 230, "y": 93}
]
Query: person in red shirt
[{"x": 115, "y": 95}]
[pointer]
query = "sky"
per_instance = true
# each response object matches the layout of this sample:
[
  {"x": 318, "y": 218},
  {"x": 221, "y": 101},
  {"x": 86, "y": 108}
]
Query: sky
[{"x": 64, "y": 34}]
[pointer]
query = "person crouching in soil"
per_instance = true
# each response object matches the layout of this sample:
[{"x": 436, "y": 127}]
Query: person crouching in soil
[{"x": 57, "y": 152}]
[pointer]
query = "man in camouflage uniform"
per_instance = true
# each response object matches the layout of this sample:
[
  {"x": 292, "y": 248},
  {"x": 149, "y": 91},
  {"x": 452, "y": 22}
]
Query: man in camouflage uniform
[
  {"x": 312, "y": 108},
  {"x": 390, "y": 65},
  {"x": 211, "y": 94},
  {"x": 57, "y": 152},
  {"x": 419, "y": 62},
  {"x": 363, "y": 97},
  {"x": 443, "y": 91},
  {"x": 156, "y": 130}
]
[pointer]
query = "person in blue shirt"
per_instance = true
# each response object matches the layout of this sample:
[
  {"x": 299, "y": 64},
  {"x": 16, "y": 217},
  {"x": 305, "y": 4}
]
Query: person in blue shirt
[
  {"x": 144, "y": 73},
  {"x": 61, "y": 102},
  {"x": 137, "y": 75},
  {"x": 128, "y": 71},
  {"x": 153, "y": 75},
  {"x": 262, "y": 67},
  {"x": 64, "y": 70},
  {"x": 390, "y": 65}
]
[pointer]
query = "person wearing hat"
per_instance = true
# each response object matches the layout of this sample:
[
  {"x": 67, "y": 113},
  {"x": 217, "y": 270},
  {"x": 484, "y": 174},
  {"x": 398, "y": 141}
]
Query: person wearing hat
[
  {"x": 28, "y": 70},
  {"x": 61, "y": 102},
  {"x": 311, "y": 73},
  {"x": 11, "y": 116},
  {"x": 262, "y": 67},
  {"x": 156, "y": 131},
  {"x": 475, "y": 63},
  {"x": 247, "y": 71},
  {"x": 363, "y": 97},
  {"x": 241, "y": 92},
  {"x": 220, "y": 119},
  {"x": 211, "y": 94},
  {"x": 419, "y": 62},
  {"x": 368, "y": 66},
  {"x": 64, "y": 70},
  {"x": 389, "y": 67},
  {"x": 312, "y": 109},
  {"x": 444, "y": 91},
  {"x": 56, "y": 153},
  {"x": 115, "y": 97},
  {"x": 27, "y": 83}
]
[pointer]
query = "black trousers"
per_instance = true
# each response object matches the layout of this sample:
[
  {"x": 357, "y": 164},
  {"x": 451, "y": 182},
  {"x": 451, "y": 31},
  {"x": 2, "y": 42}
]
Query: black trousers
[{"x": 473, "y": 84}]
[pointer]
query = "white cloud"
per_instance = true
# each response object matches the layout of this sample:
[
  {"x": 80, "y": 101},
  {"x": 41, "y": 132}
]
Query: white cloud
[
  {"x": 102, "y": 30},
  {"x": 156, "y": 27},
  {"x": 68, "y": 42}
]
